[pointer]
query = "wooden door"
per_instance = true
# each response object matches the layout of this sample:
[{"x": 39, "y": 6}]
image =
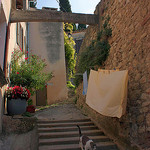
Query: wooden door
[{"x": 41, "y": 97}]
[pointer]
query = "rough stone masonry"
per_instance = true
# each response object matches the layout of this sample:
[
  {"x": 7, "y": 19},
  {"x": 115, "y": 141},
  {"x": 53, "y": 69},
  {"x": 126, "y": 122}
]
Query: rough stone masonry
[{"x": 130, "y": 50}]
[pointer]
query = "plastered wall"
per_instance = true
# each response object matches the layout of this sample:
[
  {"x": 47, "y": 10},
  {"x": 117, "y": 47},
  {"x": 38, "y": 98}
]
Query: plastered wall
[{"x": 47, "y": 41}]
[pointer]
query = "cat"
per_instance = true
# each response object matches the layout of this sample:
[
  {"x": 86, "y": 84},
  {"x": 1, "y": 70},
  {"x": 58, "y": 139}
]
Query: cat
[{"x": 85, "y": 142}]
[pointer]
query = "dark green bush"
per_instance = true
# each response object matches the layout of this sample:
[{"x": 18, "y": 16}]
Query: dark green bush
[{"x": 96, "y": 54}]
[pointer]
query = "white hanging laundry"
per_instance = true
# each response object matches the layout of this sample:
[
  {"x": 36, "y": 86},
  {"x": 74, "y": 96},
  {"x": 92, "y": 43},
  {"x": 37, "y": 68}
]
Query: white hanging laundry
[
  {"x": 107, "y": 92},
  {"x": 85, "y": 83}
]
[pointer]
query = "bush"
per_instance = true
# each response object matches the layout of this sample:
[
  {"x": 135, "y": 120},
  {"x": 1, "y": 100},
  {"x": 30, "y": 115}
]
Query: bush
[
  {"x": 96, "y": 54},
  {"x": 27, "y": 72}
]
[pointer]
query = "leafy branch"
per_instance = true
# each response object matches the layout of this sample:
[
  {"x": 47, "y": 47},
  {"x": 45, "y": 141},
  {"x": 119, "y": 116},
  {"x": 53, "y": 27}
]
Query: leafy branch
[
  {"x": 28, "y": 72},
  {"x": 97, "y": 53}
]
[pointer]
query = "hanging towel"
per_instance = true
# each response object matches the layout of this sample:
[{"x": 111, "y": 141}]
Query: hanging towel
[
  {"x": 107, "y": 92},
  {"x": 85, "y": 83}
]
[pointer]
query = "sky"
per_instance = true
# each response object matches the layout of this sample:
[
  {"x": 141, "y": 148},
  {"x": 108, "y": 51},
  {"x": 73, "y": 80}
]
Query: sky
[{"x": 77, "y": 6}]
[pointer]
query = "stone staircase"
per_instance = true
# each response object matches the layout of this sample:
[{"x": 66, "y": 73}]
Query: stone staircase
[{"x": 64, "y": 135}]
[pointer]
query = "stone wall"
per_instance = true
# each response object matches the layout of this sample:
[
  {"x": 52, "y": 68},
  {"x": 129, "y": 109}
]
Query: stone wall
[
  {"x": 25, "y": 141},
  {"x": 130, "y": 50},
  {"x": 19, "y": 133}
]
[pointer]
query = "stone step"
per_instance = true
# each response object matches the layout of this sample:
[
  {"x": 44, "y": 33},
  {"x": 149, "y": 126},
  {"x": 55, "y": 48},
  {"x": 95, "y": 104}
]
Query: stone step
[
  {"x": 100, "y": 146},
  {"x": 69, "y": 134},
  {"x": 66, "y": 129},
  {"x": 64, "y": 135},
  {"x": 68, "y": 140},
  {"x": 69, "y": 124},
  {"x": 62, "y": 121}
]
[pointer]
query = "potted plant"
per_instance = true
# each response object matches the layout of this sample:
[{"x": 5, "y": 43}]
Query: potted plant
[{"x": 17, "y": 97}]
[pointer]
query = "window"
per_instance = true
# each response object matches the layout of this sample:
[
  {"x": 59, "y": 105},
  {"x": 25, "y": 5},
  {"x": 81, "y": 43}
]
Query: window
[{"x": 19, "y": 35}]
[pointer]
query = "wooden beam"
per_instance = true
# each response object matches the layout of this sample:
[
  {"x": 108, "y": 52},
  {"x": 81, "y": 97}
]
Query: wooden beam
[{"x": 52, "y": 16}]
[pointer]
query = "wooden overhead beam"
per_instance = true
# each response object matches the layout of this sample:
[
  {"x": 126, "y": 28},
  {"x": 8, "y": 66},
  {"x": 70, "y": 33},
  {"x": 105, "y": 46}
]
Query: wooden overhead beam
[{"x": 52, "y": 16}]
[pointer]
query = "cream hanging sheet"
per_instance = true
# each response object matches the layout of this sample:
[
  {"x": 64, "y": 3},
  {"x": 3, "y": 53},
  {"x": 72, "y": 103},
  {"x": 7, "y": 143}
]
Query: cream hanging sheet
[{"x": 107, "y": 92}]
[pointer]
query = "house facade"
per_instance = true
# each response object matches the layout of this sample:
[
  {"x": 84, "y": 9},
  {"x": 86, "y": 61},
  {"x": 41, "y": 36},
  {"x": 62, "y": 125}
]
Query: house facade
[
  {"x": 17, "y": 35},
  {"x": 12, "y": 35},
  {"x": 46, "y": 39}
]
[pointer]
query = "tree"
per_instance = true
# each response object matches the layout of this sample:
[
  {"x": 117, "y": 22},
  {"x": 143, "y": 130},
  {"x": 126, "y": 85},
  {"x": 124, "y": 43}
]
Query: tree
[
  {"x": 65, "y": 6},
  {"x": 81, "y": 26}
]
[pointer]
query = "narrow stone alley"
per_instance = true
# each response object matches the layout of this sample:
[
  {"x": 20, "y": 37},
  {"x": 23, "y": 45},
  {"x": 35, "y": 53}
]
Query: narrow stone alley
[{"x": 57, "y": 129}]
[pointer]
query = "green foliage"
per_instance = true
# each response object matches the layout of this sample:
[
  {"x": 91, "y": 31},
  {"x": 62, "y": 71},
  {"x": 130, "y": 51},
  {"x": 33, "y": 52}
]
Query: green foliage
[
  {"x": 68, "y": 27},
  {"x": 30, "y": 102},
  {"x": 65, "y": 5},
  {"x": 75, "y": 100},
  {"x": 96, "y": 54},
  {"x": 81, "y": 26},
  {"x": 27, "y": 72},
  {"x": 74, "y": 27},
  {"x": 70, "y": 85},
  {"x": 33, "y": 4},
  {"x": 70, "y": 55},
  {"x": 27, "y": 114}
]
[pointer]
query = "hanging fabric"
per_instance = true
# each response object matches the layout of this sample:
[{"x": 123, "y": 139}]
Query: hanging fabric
[
  {"x": 107, "y": 92},
  {"x": 85, "y": 83}
]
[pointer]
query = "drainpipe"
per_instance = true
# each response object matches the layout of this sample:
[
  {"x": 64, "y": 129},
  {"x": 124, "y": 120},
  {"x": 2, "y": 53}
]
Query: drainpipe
[
  {"x": 28, "y": 8},
  {"x": 27, "y": 39}
]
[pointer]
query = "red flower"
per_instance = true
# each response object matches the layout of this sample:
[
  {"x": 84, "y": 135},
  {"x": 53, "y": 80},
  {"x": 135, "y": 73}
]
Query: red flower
[
  {"x": 17, "y": 72},
  {"x": 18, "y": 92},
  {"x": 29, "y": 94},
  {"x": 30, "y": 109},
  {"x": 26, "y": 58}
]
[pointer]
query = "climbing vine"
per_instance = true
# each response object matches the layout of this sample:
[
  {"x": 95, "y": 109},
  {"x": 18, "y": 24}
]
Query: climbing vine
[
  {"x": 96, "y": 54},
  {"x": 70, "y": 55}
]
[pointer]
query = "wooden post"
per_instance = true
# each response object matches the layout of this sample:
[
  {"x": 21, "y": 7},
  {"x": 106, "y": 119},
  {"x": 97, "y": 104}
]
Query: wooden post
[{"x": 13, "y": 4}]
